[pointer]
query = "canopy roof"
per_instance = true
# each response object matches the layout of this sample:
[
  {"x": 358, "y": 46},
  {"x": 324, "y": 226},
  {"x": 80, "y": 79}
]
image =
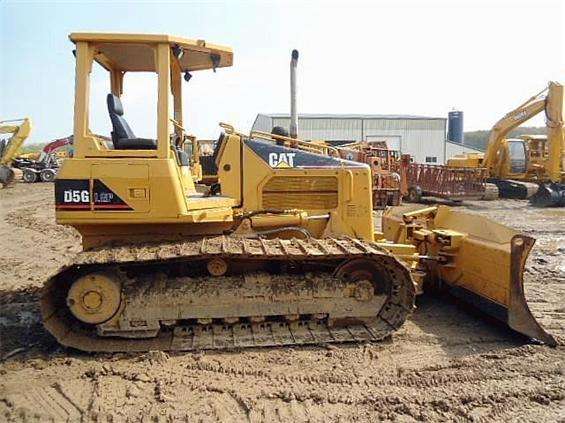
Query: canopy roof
[{"x": 135, "y": 53}]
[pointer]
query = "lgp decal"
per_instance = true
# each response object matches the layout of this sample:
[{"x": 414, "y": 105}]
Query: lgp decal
[{"x": 106, "y": 199}]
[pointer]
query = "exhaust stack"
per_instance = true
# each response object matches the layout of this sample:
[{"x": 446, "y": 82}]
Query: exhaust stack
[{"x": 293, "y": 113}]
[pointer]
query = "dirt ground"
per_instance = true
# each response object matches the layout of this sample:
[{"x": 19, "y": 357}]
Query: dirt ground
[{"x": 447, "y": 363}]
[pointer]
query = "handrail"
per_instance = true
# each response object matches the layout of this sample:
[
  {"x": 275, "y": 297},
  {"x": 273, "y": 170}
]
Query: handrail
[
  {"x": 13, "y": 120},
  {"x": 230, "y": 129},
  {"x": 303, "y": 145},
  {"x": 291, "y": 142},
  {"x": 178, "y": 125}
]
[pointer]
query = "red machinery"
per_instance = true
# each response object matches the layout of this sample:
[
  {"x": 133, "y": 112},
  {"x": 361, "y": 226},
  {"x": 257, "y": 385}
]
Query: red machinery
[
  {"x": 384, "y": 163},
  {"x": 58, "y": 143},
  {"x": 396, "y": 177},
  {"x": 454, "y": 184}
]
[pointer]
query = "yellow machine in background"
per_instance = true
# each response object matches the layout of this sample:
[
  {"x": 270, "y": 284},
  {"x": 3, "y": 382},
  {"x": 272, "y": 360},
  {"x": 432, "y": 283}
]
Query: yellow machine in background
[
  {"x": 9, "y": 149},
  {"x": 283, "y": 251},
  {"x": 518, "y": 165}
]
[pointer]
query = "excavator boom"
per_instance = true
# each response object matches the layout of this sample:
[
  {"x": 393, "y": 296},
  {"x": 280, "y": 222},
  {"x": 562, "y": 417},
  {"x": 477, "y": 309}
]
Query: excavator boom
[
  {"x": 58, "y": 143},
  {"x": 555, "y": 166},
  {"x": 9, "y": 149},
  {"x": 530, "y": 108}
]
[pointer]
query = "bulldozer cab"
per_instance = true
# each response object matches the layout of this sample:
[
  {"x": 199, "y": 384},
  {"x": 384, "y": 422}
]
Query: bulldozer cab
[
  {"x": 130, "y": 183},
  {"x": 166, "y": 56},
  {"x": 125, "y": 178}
]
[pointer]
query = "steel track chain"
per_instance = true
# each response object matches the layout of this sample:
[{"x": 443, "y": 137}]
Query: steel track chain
[{"x": 72, "y": 333}]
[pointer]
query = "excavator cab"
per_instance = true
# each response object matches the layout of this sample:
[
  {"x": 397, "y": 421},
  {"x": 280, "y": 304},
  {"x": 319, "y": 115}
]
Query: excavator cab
[{"x": 518, "y": 156}]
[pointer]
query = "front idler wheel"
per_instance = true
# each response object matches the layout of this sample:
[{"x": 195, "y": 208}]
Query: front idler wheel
[{"x": 94, "y": 298}]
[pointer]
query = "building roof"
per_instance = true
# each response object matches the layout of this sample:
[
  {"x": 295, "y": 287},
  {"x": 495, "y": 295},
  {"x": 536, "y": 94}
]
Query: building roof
[{"x": 351, "y": 116}]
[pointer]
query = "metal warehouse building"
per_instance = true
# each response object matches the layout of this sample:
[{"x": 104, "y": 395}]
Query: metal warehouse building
[{"x": 424, "y": 138}]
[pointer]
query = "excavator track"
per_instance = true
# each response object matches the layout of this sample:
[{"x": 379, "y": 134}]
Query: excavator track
[{"x": 227, "y": 292}]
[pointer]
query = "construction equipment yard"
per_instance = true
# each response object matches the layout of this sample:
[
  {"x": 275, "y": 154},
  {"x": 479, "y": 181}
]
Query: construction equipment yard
[
  {"x": 358, "y": 262},
  {"x": 446, "y": 363}
]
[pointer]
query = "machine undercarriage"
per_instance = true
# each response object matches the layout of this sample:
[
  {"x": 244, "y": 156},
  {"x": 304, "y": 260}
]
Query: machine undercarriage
[{"x": 224, "y": 292}]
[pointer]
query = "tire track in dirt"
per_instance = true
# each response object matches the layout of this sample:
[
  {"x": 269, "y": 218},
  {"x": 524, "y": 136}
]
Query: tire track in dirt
[{"x": 369, "y": 393}]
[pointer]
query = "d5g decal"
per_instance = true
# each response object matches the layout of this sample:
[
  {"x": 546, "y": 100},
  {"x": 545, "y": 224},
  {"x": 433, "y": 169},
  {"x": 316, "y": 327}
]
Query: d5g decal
[{"x": 74, "y": 194}]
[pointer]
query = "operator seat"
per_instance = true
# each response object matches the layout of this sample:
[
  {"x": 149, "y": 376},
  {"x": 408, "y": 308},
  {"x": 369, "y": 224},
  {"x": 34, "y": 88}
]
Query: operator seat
[{"x": 123, "y": 137}]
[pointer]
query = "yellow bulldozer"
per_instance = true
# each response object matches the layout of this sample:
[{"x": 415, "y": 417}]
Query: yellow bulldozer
[{"x": 282, "y": 251}]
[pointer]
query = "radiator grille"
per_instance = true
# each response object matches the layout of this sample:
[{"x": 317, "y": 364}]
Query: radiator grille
[{"x": 301, "y": 192}]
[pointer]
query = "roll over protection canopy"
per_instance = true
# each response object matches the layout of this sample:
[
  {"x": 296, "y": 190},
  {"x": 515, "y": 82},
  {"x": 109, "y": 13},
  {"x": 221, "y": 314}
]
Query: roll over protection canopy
[{"x": 134, "y": 52}]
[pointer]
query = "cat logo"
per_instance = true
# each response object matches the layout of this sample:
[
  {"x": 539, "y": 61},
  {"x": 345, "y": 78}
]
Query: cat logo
[{"x": 281, "y": 160}]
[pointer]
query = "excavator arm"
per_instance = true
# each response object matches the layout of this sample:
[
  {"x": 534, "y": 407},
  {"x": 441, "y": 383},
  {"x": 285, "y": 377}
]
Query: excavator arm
[
  {"x": 9, "y": 149},
  {"x": 20, "y": 133},
  {"x": 549, "y": 99},
  {"x": 552, "y": 192},
  {"x": 555, "y": 167},
  {"x": 58, "y": 143},
  {"x": 511, "y": 120}
]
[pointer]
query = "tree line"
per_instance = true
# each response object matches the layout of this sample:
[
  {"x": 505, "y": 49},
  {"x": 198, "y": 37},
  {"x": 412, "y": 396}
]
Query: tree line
[{"x": 479, "y": 139}]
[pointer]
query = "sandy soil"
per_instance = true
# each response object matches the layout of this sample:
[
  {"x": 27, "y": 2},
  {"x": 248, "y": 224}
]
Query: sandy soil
[{"x": 447, "y": 363}]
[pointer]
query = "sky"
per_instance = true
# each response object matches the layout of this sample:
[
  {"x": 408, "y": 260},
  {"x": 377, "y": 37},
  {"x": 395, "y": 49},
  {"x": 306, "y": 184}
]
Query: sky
[{"x": 422, "y": 57}]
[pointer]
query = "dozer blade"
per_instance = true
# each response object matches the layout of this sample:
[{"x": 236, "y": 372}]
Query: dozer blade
[
  {"x": 514, "y": 312},
  {"x": 520, "y": 317},
  {"x": 489, "y": 268},
  {"x": 481, "y": 262}
]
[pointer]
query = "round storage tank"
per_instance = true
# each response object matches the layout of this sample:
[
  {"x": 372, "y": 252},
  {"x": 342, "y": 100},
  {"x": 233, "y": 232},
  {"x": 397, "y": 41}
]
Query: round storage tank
[{"x": 455, "y": 127}]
